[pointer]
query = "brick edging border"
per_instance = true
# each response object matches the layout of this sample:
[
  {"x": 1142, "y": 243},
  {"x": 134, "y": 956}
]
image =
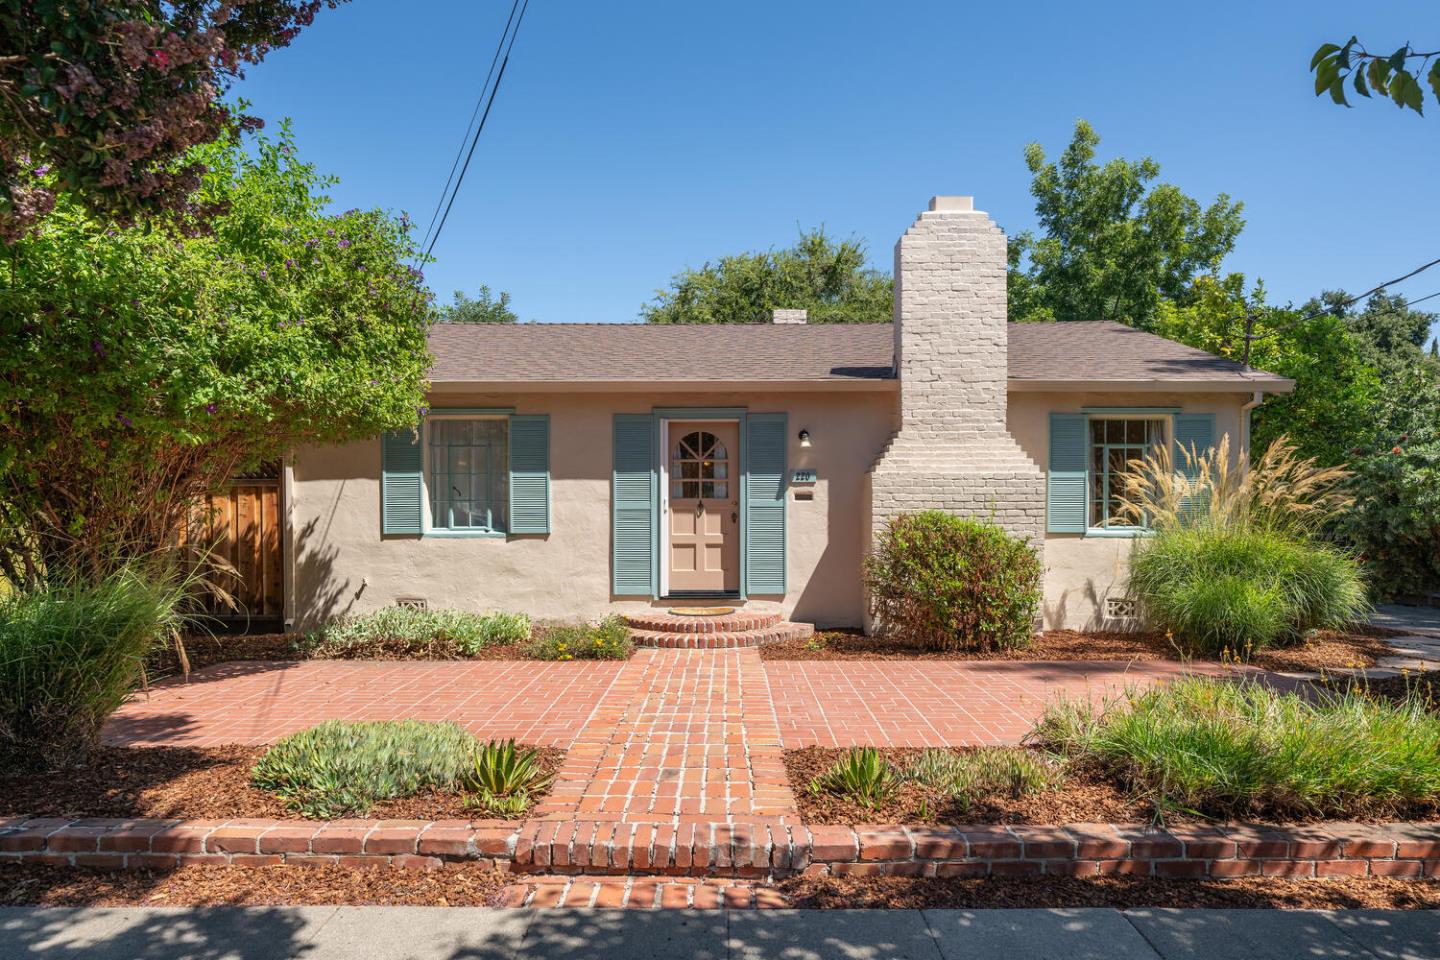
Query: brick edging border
[{"x": 752, "y": 850}]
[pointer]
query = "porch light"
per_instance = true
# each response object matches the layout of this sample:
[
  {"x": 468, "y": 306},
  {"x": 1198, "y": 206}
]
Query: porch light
[{"x": 804, "y": 438}]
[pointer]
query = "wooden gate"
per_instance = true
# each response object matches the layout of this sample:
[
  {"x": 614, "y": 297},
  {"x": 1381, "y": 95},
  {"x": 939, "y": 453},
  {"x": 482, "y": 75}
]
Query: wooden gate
[{"x": 242, "y": 526}]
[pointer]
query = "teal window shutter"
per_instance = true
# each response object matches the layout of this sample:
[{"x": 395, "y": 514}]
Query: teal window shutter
[
  {"x": 764, "y": 566},
  {"x": 529, "y": 474},
  {"x": 634, "y": 566},
  {"x": 1194, "y": 434},
  {"x": 401, "y": 484},
  {"x": 1067, "y": 479}
]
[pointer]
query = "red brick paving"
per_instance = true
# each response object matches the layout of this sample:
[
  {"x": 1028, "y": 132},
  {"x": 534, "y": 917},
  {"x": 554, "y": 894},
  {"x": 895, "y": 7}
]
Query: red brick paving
[{"x": 670, "y": 738}]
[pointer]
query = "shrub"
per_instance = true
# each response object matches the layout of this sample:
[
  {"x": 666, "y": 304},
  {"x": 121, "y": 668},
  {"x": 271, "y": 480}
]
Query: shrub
[
  {"x": 406, "y": 632},
  {"x": 503, "y": 777},
  {"x": 987, "y": 772},
  {"x": 70, "y": 653},
  {"x": 341, "y": 769},
  {"x": 1218, "y": 588},
  {"x": 861, "y": 774},
  {"x": 947, "y": 583},
  {"x": 607, "y": 640},
  {"x": 1241, "y": 749}
]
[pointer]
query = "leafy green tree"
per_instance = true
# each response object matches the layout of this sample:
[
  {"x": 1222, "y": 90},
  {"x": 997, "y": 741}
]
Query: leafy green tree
[
  {"x": 101, "y": 100},
  {"x": 1395, "y": 75},
  {"x": 485, "y": 308},
  {"x": 139, "y": 371},
  {"x": 1115, "y": 244},
  {"x": 1394, "y": 334},
  {"x": 818, "y": 274}
]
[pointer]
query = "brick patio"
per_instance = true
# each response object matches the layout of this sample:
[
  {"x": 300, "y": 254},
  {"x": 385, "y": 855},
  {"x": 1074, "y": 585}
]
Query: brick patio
[{"x": 670, "y": 738}]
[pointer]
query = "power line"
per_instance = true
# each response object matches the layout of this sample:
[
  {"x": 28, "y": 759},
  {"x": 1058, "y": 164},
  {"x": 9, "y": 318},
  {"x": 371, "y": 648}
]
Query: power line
[
  {"x": 479, "y": 101},
  {"x": 478, "y": 130}
]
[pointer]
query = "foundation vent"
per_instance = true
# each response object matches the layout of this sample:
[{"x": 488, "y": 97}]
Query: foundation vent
[{"x": 411, "y": 603}]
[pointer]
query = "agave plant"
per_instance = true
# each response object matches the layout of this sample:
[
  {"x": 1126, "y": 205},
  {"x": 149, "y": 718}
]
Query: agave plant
[
  {"x": 502, "y": 770},
  {"x": 860, "y": 774}
]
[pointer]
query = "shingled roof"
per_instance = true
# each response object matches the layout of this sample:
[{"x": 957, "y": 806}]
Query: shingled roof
[{"x": 630, "y": 352}]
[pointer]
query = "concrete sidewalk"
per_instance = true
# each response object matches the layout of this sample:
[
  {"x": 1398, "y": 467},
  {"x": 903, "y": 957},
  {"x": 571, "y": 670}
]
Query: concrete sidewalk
[{"x": 426, "y": 933}]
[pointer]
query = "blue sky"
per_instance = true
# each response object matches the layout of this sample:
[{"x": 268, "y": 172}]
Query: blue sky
[{"x": 631, "y": 140}]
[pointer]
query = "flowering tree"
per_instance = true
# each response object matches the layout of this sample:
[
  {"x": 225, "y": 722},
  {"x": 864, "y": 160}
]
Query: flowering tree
[
  {"x": 138, "y": 370},
  {"x": 101, "y": 99}
]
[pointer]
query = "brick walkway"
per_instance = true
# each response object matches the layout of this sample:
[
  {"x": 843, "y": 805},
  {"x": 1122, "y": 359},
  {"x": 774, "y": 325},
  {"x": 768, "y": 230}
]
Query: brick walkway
[{"x": 669, "y": 739}]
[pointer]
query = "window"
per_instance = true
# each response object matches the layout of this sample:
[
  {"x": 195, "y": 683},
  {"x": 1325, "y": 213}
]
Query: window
[
  {"x": 1114, "y": 442},
  {"x": 699, "y": 468},
  {"x": 469, "y": 475}
]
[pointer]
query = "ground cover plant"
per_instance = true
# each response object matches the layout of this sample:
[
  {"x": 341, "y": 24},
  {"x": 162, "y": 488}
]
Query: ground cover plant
[
  {"x": 942, "y": 582},
  {"x": 607, "y": 640},
  {"x": 1234, "y": 565},
  {"x": 338, "y": 769},
  {"x": 1218, "y": 748},
  {"x": 410, "y": 633},
  {"x": 71, "y": 651}
]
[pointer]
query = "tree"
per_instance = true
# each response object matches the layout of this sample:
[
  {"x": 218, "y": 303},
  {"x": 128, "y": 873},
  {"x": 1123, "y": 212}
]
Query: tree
[
  {"x": 818, "y": 274},
  {"x": 483, "y": 309},
  {"x": 1115, "y": 243},
  {"x": 139, "y": 371},
  {"x": 1394, "y": 335},
  {"x": 1395, "y": 75},
  {"x": 101, "y": 100}
]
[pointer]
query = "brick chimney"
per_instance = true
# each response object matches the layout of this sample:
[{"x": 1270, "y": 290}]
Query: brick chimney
[
  {"x": 790, "y": 316},
  {"x": 953, "y": 451}
]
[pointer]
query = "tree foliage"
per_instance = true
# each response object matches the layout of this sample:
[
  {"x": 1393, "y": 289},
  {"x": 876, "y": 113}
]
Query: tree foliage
[
  {"x": 1398, "y": 75},
  {"x": 1115, "y": 243},
  {"x": 101, "y": 100},
  {"x": 138, "y": 370},
  {"x": 824, "y": 276},
  {"x": 485, "y": 308}
]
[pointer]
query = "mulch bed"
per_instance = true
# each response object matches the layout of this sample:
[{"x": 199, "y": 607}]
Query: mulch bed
[
  {"x": 464, "y": 886},
  {"x": 1084, "y": 798},
  {"x": 1325, "y": 650},
  {"x": 1425, "y": 685},
  {"x": 1120, "y": 892},
  {"x": 192, "y": 783}
]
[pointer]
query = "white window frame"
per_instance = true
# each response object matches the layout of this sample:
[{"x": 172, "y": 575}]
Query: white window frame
[
  {"x": 1167, "y": 428},
  {"x": 427, "y": 479}
]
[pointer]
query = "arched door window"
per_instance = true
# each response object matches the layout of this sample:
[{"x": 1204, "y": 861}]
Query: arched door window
[{"x": 699, "y": 468}]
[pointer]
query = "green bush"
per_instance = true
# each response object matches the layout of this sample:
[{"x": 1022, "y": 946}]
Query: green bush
[
  {"x": 607, "y": 640},
  {"x": 70, "y": 653},
  {"x": 947, "y": 583},
  {"x": 339, "y": 769},
  {"x": 1220, "y": 589},
  {"x": 1241, "y": 749},
  {"x": 976, "y": 775},
  {"x": 861, "y": 774},
  {"x": 408, "y": 633}
]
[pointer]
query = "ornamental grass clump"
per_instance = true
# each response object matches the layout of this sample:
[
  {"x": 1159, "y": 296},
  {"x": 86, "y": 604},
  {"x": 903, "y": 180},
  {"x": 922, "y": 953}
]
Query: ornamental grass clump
[
  {"x": 338, "y": 769},
  {"x": 71, "y": 651},
  {"x": 1240, "y": 749},
  {"x": 1234, "y": 565},
  {"x": 942, "y": 582},
  {"x": 417, "y": 634}
]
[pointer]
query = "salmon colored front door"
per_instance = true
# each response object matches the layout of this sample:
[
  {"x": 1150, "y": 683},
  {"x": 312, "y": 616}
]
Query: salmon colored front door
[{"x": 704, "y": 468}]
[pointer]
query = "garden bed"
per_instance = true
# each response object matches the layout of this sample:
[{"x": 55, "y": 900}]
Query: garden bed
[
  {"x": 1326, "y": 650},
  {"x": 842, "y": 892},
  {"x": 192, "y": 783}
]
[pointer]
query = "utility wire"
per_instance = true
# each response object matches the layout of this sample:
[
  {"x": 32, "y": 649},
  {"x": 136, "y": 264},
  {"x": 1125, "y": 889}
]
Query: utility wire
[
  {"x": 479, "y": 129},
  {"x": 479, "y": 101}
]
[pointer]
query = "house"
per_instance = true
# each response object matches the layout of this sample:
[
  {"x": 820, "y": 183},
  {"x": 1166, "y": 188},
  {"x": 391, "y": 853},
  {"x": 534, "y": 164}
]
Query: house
[{"x": 570, "y": 470}]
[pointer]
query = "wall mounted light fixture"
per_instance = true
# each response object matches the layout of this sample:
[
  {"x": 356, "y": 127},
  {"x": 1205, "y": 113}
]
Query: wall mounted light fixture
[{"x": 804, "y": 438}]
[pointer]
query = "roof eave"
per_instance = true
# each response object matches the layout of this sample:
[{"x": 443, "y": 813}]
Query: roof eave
[
  {"x": 1230, "y": 384},
  {"x": 650, "y": 384}
]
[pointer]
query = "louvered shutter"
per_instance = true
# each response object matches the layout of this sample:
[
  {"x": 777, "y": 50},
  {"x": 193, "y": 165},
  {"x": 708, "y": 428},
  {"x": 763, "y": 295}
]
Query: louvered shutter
[
  {"x": 1195, "y": 436},
  {"x": 529, "y": 474},
  {"x": 634, "y": 565},
  {"x": 765, "y": 437},
  {"x": 401, "y": 483},
  {"x": 1066, "y": 480}
]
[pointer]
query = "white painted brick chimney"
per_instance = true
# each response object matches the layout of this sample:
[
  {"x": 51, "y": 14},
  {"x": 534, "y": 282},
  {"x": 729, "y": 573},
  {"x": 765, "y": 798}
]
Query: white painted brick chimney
[
  {"x": 790, "y": 316},
  {"x": 953, "y": 451}
]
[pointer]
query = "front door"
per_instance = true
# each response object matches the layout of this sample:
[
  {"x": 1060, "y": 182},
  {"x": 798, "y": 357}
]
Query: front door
[{"x": 704, "y": 527}]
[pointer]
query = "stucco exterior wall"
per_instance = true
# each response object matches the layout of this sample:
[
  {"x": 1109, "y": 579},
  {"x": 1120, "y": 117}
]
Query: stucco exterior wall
[
  {"x": 340, "y": 563},
  {"x": 1080, "y": 571}
]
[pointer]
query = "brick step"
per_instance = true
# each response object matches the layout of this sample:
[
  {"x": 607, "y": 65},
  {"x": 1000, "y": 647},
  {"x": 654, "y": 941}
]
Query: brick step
[
  {"x": 774, "y": 633},
  {"x": 738, "y": 622}
]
